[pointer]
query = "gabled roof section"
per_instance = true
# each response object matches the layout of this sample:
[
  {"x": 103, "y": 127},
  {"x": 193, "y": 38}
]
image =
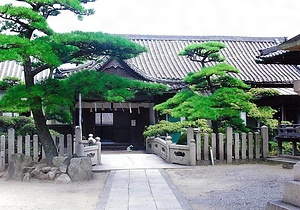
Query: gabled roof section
[
  {"x": 287, "y": 52},
  {"x": 163, "y": 62}
]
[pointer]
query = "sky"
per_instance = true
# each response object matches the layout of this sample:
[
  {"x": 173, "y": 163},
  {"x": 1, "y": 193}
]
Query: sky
[{"x": 255, "y": 18}]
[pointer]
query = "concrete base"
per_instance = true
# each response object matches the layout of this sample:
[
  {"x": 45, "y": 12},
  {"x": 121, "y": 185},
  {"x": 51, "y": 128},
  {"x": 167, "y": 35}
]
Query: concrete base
[
  {"x": 280, "y": 205},
  {"x": 291, "y": 193}
]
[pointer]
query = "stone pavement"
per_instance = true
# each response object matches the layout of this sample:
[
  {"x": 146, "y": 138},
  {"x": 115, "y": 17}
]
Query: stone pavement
[{"x": 138, "y": 182}]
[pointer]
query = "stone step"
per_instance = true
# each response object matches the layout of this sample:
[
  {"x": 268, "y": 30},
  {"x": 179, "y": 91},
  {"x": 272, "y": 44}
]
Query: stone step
[
  {"x": 280, "y": 205},
  {"x": 291, "y": 193}
]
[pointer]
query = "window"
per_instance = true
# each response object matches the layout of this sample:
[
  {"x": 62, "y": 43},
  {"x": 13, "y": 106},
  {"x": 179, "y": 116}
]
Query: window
[{"x": 104, "y": 118}]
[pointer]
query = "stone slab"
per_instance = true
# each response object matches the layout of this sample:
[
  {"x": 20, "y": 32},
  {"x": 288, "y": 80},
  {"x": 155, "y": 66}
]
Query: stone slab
[
  {"x": 280, "y": 205},
  {"x": 132, "y": 161},
  {"x": 144, "y": 181}
]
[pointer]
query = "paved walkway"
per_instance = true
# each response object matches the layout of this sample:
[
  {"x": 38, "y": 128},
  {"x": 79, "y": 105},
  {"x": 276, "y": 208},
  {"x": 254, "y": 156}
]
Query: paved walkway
[{"x": 138, "y": 182}]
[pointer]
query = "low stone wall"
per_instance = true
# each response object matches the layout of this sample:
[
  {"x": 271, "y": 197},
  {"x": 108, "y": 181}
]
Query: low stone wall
[
  {"x": 204, "y": 148},
  {"x": 171, "y": 153}
]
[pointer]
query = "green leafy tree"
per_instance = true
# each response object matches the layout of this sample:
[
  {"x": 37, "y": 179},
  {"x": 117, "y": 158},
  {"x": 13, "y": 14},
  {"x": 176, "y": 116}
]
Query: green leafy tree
[
  {"x": 212, "y": 92},
  {"x": 27, "y": 38}
]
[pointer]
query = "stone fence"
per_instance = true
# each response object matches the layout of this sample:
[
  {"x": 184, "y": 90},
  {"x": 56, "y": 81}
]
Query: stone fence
[
  {"x": 29, "y": 145},
  {"x": 204, "y": 148}
]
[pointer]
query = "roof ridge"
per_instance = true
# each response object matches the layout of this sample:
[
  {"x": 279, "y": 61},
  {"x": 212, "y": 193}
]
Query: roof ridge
[{"x": 203, "y": 38}]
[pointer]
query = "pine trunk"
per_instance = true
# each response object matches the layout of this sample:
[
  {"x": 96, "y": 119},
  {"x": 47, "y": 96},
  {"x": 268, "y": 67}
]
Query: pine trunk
[
  {"x": 39, "y": 119},
  {"x": 44, "y": 135}
]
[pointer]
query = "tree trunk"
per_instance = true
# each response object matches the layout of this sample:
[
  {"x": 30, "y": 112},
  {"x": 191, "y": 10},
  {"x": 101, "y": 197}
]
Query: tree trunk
[
  {"x": 44, "y": 135},
  {"x": 39, "y": 118}
]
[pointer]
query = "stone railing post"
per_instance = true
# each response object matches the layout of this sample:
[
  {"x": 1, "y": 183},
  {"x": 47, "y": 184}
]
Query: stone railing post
[
  {"x": 35, "y": 148},
  {"x": 190, "y": 135},
  {"x": 237, "y": 146},
  {"x": 69, "y": 145},
  {"x": 19, "y": 145},
  {"x": 257, "y": 145},
  {"x": 27, "y": 145},
  {"x": 168, "y": 143},
  {"x": 205, "y": 146},
  {"x": 244, "y": 146},
  {"x": 148, "y": 145},
  {"x": 78, "y": 142},
  {"x": 11, "y": 142},
  {"x": 192, "y": 152},
  {"x": 250, "y": 145},
  {"x": 265, "y": 141},
  {"x": 214, "y": 144},
  {"x": 98, "y": 143},
  {"x": 221, "y": 146},
  {"x": 198, "y": 145},
  {"x": 229, "y": 144},
  {"x": 61, "y": 145},
  {"x": 2, "y": 153}
]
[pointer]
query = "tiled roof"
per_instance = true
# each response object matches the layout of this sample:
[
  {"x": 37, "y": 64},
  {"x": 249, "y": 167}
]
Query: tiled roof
[
  {"x": 162, "y": 64},
  {"x": 14, "y": 69},
  {"x": 162, "y": 60},
  {"x": 287, "y": 52}
]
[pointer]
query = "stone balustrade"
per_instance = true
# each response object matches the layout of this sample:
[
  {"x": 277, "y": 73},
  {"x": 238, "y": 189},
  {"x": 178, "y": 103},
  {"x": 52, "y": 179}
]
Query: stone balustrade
[{"x": 204, "y": 148}]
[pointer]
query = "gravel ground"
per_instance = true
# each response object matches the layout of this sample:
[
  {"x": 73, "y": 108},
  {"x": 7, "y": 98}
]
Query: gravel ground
[
  {"x": 46, "y": 195},
  {"x": 245, "y": 186}
]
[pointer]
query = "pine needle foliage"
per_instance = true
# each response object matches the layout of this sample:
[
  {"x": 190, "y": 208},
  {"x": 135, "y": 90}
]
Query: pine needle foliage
[
  {"x": 26, "y": 37},
  {"x": 213, "y": 93}
]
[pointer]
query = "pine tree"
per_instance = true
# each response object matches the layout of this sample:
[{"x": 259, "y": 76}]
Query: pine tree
[
  {"x": 212, "y": 93},
  {"x": 27, "y": 38}
]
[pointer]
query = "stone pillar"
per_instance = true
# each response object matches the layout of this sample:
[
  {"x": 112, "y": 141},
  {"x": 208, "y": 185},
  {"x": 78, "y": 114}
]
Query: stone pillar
[
  {"x": 11, "y": 142},
  {"x": 168, "y": 143},
  {"x": 78, "y": 142},
  {"x": 98, "y": 143},
  {"x": 192, "y": 152},
  {"x": 237, "y": 146},
  {"x": 61, "y": 145},
  {"x": 229, "y": 144},
  {"x": 250, "y": 145},
  {"x": 148, "y": 145},
  {"x": 265, "y": 139},
  {"x": 69, "y": 145},
  {"x": 27, "y": 145},
  {"x": 198, "y": 145},
  {"x": 19, "y": 145},
  {"x": 257, "y": 145},
  {"x": 221, "y": 146},
  {"x": 244, "y": 146},
  {"x": 214, "y": 145},
  {"x": 35, "y": 148},
  {"x": 205, "y": 147},
  {"x": 190, "y": 135},
  {"x": 2, "y": 153}
]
